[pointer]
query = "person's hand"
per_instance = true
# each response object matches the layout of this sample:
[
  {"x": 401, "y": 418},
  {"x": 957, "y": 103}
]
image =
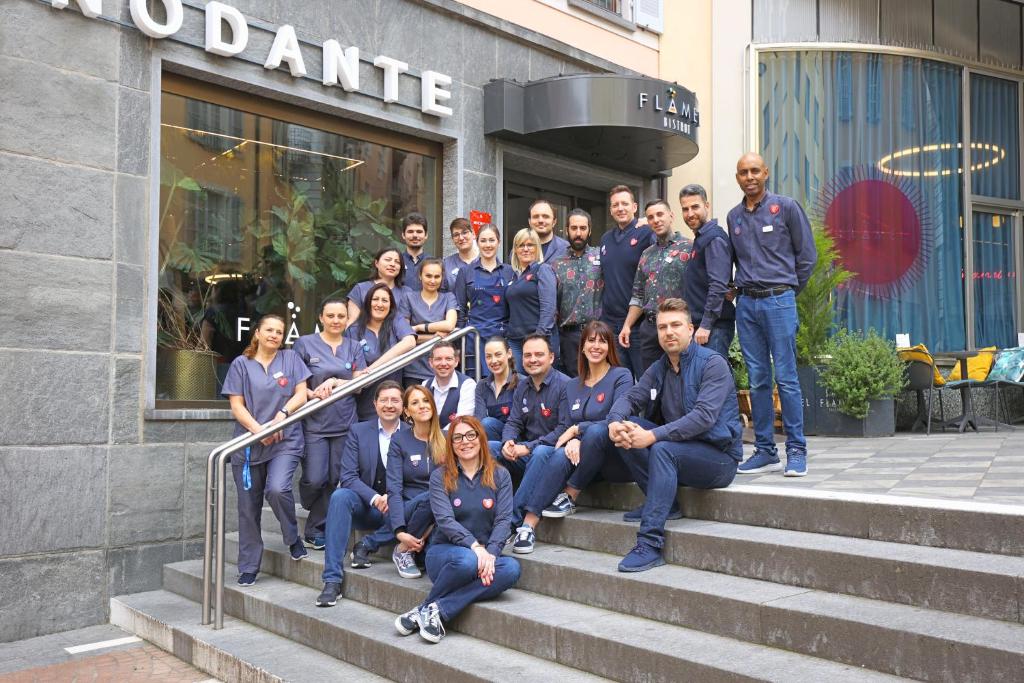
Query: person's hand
[
  {"x": 624, "y": 337},
  {"x": 278, "y": 436},
  {"x": 410, "y": 542},
  {"x": 618, "y": 432},
  {"x": 324, "y": 390},
  {"x": 381, "y": 503},
  {"x": 484, "y": 565},
  {"x": 572, "y": 451},
  {"x": 730, "y": 294},
  {"x": 701, "y": 336},
  {"x": 359, "y": 373},
  {"x": 569, "y": 433},
  {"x": 512, "y": 451},
  {"x": 640, "y": 437}
]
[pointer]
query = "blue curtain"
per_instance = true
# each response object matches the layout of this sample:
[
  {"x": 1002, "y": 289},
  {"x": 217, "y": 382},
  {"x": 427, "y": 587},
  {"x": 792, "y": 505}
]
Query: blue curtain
[
  {"x": 995, "y": 282},
  {"x": 995, "y": 165}
]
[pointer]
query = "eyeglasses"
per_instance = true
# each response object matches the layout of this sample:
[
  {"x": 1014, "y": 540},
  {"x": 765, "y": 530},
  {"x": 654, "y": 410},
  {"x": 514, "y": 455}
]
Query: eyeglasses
[
  {"x": 468, "y": 437},
  {"x": 460, "y": 234}
]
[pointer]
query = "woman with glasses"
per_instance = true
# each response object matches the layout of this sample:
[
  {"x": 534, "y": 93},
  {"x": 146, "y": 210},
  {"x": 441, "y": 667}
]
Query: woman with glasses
[
  {"x": 389, "y": 269},
  {"x": 465, "y": 252},
  {"x": 494, "y": 392},
  {"x": 531, "y": 295},
  {"x": 471, "y": 498},
  {"x": 480, "y": 293},
  {"x": 432, "y": 313}
]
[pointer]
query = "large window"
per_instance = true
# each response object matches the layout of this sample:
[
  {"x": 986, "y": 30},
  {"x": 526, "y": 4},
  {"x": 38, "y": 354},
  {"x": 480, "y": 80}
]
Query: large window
[
  {"x": 881, "y": 166},
  {"x": 266, "y": 212}
]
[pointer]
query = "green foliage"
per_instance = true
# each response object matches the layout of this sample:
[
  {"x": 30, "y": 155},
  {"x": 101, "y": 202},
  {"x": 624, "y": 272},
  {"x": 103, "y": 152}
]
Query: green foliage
[
  {"x": 862, "y": 368},
  {"x": 738, "y": 365},
  {"x": 814, "y": 303}
]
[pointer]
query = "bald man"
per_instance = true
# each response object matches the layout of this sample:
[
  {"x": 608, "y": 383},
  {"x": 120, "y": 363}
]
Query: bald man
[{"x": 774, "y": 254}]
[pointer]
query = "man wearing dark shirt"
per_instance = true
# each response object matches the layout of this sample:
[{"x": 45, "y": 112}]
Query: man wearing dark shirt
[
  {"x": 706, "y": 281},
  {"x": 621, "y": 248},
  {"x": 414, "y": 234},
  {"x": 578, "y": 274},
  {"x": 542, "y": 220},
  {"x": 774, "y": 253},
  {"x": 699, "y": 442}
]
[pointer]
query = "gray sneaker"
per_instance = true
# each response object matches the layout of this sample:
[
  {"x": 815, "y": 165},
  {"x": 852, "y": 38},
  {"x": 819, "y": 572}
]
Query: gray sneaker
[
  {"x": 408, "y": 623},
  {"x": 431, "y": 628},
  {"x": 561, "y": 506},
  {"x": 406, "y": 564},
  {"x": 525, "y": 539}
]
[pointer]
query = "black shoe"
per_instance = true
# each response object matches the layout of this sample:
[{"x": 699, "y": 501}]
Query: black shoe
[
  {"x": 360, "y": 556},
  {"x": 431, "y": 628},
  {"x": 298, "y": 550},
  {"x": 329, "y": 595},
  {"x": 408, "y": 623},
  {"x": 247, "y": 579}
]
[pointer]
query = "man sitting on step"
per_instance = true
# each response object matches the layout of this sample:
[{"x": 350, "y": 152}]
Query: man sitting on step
[
  {"x": 362, "y": 500},
  {"x": 691, "y": 392}
]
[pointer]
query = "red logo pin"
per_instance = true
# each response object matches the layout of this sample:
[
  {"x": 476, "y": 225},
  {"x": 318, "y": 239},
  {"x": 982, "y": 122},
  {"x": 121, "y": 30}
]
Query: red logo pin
[
  {"x": 546, "y": 412},
  {"x": 600, "y": 397},
  {"x": 457, "y": 502},
  {"x": 633, "y": 242},
  {"x": 684, "y": 256},
  {"x": 735, "y": 231},
  {"x": 283, "y": 381},
  {"x": 488, "y": 503},
  {"x": 774, "y": 209},
  {"x": 451, "y": 417},
  {"x": 505, "y": 410},
  {"x": 497, "y": 298},
  {"x": 529, "y": 277}
]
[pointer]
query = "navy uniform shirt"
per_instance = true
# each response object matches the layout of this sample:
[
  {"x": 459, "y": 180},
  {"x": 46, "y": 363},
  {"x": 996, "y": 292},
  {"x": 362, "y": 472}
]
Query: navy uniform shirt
[
  {"x": 531, "y": 302},
  {"x": 412, "y": 269},
  {"x": 537, "y": 418},
  {"x": 401, "y": 293},
  {"x": 335, "y": 419},
  {"x": 472, "y": 513},
  {"x": 555, "y": 249},
  {"x": 587, "y": 405},
  {"x": 706, "y": 280},
  {"x": 773, "y": 244},
  {"x": 620, "y": 253},
  {"x": 480, "y": 294},
  {"x": 490, "y": 405},
  {"x": 452, "y": 264},
  {"x": 421, "y": 312},
  {"x": 408, "y": 470}
]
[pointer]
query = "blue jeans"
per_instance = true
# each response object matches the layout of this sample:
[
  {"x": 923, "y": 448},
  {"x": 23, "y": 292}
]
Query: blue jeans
[
  {"x": 767, "y": 330},
  {"x": 493, "y": 426},
  {"x": 531, "y": 468},
  {"x": 453, "y": 569},
  {"x": 695, "y": 464},
  {"x": 273, "y": 480},
  {"x": 347, "y": 509},
  {"x": 321, "y": 470}
]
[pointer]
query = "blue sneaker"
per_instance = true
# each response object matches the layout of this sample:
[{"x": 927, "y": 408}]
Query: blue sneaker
[
  {"x": 298, "y": 550},
  {"x": 796, "y": 464},
  {"x": 760, "y": 461},
  {"x": 641, "y": 558},
  {"x": 315, "y": 542},
  {"x": 635, "y": 514}
]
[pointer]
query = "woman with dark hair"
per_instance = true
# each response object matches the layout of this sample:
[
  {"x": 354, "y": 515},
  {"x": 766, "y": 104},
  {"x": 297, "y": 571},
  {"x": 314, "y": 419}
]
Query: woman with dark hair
[
  {"x": 383, "y": 335},
  {"x": 389, "y": 269},
  {"x": 413, "y": 455},
  {"x": 265, "y": 385},
  {"x": 480, "y": 292},
  {"x": 432, "y": 313},
  {"x": 531, "y": 295},
  {"x": 471, "y": 498},
  {"x": 494, "y": 392},
  {"x": 332, "y": 358},
  {"x": 584, "y": 450}
]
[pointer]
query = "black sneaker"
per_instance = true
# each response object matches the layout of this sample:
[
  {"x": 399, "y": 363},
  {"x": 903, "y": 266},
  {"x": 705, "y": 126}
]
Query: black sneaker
[
  {"x": 525, "y": 539},
  {"x": 561, "y": 506},
  {"x": 408, "y": 623},
  {"x": 329, "y": 595},
  {"x": 431, "y": 627},
  {"x": 247, "y": 579},
  {"x": 298, "y": 550},
  {"x": 360, "y": 556}
]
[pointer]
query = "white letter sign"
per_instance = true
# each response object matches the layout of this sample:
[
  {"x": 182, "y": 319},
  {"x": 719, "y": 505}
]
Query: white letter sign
[
  {"x": 391, "y": 67},
  {"x": 90, "y": 8},
  {"x": 144, "y": 20},
  {"x": 433, "y": 90},
  {"x": 286, "y": 48},
  {"x": 216, "y": 14},
  {"x": 341, "y": 66}
]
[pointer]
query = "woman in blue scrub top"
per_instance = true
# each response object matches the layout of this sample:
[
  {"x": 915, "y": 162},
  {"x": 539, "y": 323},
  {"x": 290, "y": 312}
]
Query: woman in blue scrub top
[
  {"x": 480, "y": 292},
  {"x": 382, "y": 335},
  {"x": 432, "y": 313},
  {"x": 584, "y": 451},
  {"x": 531, "y": 295},
  {"x": 471, "y": 498},
  {"x": 494, "y": 392},
  {"x": 332, "y": 359},
  {"x": 388, "y": 269},
  {"x": 265, "y": 385},
  {"x": 413, "y": 455}
]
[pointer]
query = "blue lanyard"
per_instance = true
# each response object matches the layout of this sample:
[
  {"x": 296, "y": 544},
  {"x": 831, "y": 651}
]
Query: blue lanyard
[{"x": 246, "y": 474}]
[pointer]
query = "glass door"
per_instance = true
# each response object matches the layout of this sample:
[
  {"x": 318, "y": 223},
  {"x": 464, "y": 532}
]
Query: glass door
[{"x": 997, "y": 257}]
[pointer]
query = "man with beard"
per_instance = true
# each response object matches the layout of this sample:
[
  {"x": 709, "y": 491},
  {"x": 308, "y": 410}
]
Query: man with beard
[{"x": 580, "y": 285}]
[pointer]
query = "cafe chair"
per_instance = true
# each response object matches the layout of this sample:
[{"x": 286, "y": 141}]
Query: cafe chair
[
  {"x": 922, "y": 376},
  {"x": 1007, "y": 371}
]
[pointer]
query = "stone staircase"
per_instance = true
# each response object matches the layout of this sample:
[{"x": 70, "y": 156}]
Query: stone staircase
[{"x": 762, "y": 584}]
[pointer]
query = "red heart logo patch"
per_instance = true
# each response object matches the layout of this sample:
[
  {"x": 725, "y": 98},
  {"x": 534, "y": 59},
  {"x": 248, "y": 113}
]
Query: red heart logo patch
[
  {"x": 283, "y": 381},
  {"x": 600, "y": 397},
  {"x": 451, "y": 417},
  {"x": 774, "y": 209},
  {"x": 546, "y": 412},
  {"x": 497, "y": 298},
  {"x": 488, "y": 503},
  {"x": 633, "y": 242},
  {"x": 505, "y": 410},
  {"x": 529, "y": 277},
  {"x": 457, "y": 502}
]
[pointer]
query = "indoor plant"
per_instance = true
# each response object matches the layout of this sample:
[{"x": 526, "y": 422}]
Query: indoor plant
[{"x": 862, "y": 376}]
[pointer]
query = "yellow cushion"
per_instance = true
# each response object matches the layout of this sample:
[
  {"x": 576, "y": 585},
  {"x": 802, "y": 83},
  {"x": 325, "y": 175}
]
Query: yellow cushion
[
  {"x": 977, "y": 366},
  {"x": 920, "y": 353}
]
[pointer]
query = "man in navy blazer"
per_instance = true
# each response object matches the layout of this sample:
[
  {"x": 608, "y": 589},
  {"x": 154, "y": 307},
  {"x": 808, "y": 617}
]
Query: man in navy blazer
[{"x": 362, "y": 500}]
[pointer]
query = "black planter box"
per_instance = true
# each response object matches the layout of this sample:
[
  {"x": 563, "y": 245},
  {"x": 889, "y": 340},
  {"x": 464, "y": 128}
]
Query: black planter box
[
  {"x": 813, "y": 395},
  {"x": 881, "y": 419}
]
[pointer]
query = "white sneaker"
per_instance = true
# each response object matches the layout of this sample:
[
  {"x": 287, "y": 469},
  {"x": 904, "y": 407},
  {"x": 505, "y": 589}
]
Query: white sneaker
[{"x": 406, "y": 564}]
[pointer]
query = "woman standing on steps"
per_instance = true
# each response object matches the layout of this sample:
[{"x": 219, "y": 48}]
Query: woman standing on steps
[
  {"x": 265, "y": 385},
  {"x": 471, "y": 498},
  {"x": 531, "y": 295},
  {"x": 413, "y": 455},
  {"x": 480, "y": 292},
  {"x": 332, "y": 359},
  {"x": 432, "y": 313},
  {"x": 494, "y": 392}
]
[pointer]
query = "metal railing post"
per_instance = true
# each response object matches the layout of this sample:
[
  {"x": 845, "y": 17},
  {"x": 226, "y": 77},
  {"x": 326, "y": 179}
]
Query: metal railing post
[{"x": 476, "y": 357}]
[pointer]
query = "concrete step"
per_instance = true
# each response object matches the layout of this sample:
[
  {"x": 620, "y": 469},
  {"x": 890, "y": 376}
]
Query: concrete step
[
  {"x": 238, "y": 652},
  {"x": 961, "y": 525},
  {"x": 896, "y": 639},
  {"x": 617, "y": 646}
]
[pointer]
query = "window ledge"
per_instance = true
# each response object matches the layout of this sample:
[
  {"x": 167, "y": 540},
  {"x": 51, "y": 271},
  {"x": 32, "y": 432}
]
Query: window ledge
[
  {"x": 177, "y": 414},
  {"x": 610, "y": 17}
]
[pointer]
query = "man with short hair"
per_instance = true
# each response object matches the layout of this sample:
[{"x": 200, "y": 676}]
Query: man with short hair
[
  {"x": 775, "y": 254},
  {"x": 580, "y": 285},
  {"x": 699, "y": 442},
  {"x": 362, "y": 500},
  {"x": 706, "y": 282},
  {"x": 539, "y": 415},
  {"x": 659, "y": 276},
  {"x": 465, "y": 252},
  {"x": 414, "y": 234},
  {"x": 542, "y": 220},
  {"x": 621, "y": 248},
  {"x": 454, "y": 393}
]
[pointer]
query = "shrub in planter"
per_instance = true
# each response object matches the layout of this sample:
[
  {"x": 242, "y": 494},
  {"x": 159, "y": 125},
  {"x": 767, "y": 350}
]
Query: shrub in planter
[{"x": 863, "y": 368}]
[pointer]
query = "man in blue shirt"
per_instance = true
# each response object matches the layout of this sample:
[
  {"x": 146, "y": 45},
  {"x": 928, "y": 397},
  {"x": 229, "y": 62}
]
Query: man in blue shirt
[
  {"x": 621, "y": 248},
  {"x": 699, "y": 442},
  {"x": 465, "y": 252},
  {"x": 706, "y": 281},
  {"x": 414, "y": 234},
  {"x": 774, "y": 253},
  {"x": 542, "y": 220}
]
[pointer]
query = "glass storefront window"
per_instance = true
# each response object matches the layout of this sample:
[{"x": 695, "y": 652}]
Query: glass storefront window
[
  {"x": 262, "y": 215},
  {"x": 995, "y": 280},
  {"x": 995, "y": 138}
]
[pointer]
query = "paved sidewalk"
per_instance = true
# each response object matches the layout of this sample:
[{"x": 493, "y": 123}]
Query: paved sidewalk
[
  {"x": 46, "y": 659},
  {"x": 986, "y": 467}
]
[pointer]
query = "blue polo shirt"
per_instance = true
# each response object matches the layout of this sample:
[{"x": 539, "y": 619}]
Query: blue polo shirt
[
  {"x": 532, "y": 301},
  {"x": 706, "y": 279},
  {"x": 536, "y": 415},
  {"x": 773, "y": 244},
  {"x": 620, "y": 254},
  {"x": 412, "y": 270},
  {"x": 452, "y": 264}
]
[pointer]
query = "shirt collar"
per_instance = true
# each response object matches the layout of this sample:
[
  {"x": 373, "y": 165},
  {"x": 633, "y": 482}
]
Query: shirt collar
[
  {"x": 671, "y": 239},
  {"x": 453, "y": 384},
  {"x": 743, "y": 202},
  {"x": 383, "y": 432}
]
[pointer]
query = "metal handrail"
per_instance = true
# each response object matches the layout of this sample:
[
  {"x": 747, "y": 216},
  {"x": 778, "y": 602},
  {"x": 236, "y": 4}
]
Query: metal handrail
[
  {"x": 216, "y": 471},
  {"x": 476, "y": 356}
]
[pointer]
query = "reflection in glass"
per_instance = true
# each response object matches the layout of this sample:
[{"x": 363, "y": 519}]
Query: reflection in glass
[
  {"x": 995, "y": 281},
  {"x": 995, "y": 165}
]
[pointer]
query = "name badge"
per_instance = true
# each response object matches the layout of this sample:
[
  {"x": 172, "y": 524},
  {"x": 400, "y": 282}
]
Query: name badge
[
  {"x": 576, "y": 405},
  {"x": 767, "y": 228},
  {"x": 415, "y": 459},
  {"x": 278, "y": 375},
  {"x": 654, "y": 394},
  {"x": 314, "y": 360}
]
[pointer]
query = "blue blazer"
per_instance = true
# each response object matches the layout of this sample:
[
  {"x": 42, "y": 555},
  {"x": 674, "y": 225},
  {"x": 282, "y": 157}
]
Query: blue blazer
[{"x": 360, "y": 458}]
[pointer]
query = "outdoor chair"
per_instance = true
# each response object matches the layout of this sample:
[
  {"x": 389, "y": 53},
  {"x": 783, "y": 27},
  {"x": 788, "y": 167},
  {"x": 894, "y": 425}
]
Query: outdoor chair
[
  {"x": 1007, "y": 371},
  {"x": 922, "y": 376}
]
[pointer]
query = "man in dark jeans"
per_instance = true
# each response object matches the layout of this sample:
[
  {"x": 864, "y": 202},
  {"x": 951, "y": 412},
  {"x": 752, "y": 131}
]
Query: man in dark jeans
[
  {"x": 774, "y": 253},
  {"x": 699, "y": 442}
]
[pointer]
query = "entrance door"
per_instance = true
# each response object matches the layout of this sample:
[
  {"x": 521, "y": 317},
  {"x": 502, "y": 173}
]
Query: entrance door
[{"x": 521, "y": 189}]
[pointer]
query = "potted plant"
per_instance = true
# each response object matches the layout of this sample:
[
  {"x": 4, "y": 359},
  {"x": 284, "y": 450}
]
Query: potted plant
[
  {"x": 861, "y": 378},
  {"x": 816, "y": 312},
  {"x": 742, "y": 379}
]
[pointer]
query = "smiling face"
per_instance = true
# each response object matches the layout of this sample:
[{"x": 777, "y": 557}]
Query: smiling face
[
  {"x": 596, "y": 349},
  {"x": 389, "y": 404},
  {"x": 418, "y": 407},
  {"x": 752, "y": 175},
  {"x": 334, "y": 318},
  {"x": 463, "y": 240},
  {"x": 496, "y": 356},
  {"x": 465, "y": 443},
  {"x": 695, "y": 211},
  {"x": 537, "y": 358},
  {"x": 389, "y": 265},
  {"x": 414, "y": 235},
  {"x": 622, "y": 208},
  {"x": 660, "y": 218},
  {"x": 443, "y": 360},
  {"x": 270, "y": 334},
  {"x": 674, "y": 331},
  {"x": 431, "y": 276},
  {"x": 542, "y": 219},
  {"x": 526, "y": 252},
  {"x": 487, "y": 241},
  {"x": 380, "y": 306}
]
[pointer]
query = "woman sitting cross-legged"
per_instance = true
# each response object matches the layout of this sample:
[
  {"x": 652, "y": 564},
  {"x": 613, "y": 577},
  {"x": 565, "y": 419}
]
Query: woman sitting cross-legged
[{"x": 471, "y": 498}]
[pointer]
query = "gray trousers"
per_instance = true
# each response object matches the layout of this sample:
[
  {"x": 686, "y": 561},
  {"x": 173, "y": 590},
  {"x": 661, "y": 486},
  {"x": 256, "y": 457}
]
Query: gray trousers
[{"x": 272, "y": 479}]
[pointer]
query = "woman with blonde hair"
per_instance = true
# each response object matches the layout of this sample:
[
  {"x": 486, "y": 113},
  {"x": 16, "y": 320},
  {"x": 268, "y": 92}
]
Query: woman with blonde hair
[{"x": 531, "y": 295}]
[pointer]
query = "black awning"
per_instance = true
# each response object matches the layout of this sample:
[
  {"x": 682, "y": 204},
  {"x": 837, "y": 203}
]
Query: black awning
[{"x": 630, "y": 123}]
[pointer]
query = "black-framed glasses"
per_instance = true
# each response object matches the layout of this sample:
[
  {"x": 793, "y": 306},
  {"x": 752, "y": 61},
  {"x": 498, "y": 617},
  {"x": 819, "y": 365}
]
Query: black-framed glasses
[{"x": 468, "y": 437}]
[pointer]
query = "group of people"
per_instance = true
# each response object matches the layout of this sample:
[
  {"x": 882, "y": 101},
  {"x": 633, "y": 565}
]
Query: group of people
[{"x": 599, "y": 362}]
